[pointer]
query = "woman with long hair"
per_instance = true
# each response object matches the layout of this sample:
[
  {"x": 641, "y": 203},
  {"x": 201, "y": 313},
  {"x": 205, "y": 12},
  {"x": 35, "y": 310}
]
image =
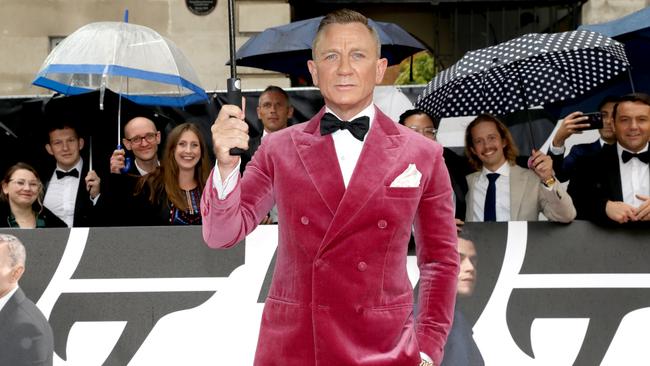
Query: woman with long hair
[
  {"x": 22, "y": 200},
  {"x": 171, "y": 194}
]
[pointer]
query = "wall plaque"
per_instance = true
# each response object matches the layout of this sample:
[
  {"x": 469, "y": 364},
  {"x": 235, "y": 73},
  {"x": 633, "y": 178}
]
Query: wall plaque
[{"x": 201, "y": 7}]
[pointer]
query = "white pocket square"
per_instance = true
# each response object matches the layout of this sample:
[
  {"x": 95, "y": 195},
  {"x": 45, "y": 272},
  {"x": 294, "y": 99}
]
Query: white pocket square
[{"x": 409, "y": 178}]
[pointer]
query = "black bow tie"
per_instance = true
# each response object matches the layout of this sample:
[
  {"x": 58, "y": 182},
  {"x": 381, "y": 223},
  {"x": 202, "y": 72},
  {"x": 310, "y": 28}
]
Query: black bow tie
[
  {"x": 644, "y": 156},
  {"x": 60, "y": 174},
  {"x": 358, "y": 127}
]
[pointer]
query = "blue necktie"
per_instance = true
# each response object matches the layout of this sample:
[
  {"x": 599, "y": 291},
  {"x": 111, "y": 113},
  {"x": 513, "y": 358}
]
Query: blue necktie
[{"x": 490, "y": 209}]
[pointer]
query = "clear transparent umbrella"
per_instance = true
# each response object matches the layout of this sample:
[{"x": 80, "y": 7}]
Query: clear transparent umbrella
[{"x": 129, "y": 59}]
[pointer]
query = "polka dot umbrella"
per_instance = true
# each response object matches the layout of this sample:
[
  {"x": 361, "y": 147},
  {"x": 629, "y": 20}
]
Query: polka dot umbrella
[{"x": 530, "y": 70}]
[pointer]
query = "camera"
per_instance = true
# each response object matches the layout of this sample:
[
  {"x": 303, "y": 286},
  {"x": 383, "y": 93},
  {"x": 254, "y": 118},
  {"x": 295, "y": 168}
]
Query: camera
[{"x": 594, "y": 119}]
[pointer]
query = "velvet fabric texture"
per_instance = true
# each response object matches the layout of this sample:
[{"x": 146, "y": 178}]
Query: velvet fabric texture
[{"x": 340, "y": 293}]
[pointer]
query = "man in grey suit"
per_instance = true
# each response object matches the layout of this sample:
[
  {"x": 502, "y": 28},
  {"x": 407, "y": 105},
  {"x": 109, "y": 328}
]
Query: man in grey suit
[
  {"x": 25, "y": 335},
  {"x": 502, "y": 191}
]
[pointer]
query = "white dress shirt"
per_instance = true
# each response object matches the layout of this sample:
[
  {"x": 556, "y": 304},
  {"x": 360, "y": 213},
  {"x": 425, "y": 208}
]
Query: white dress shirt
[
  {"x": 5, "y": 299},
  {"x": 61, "y": 194},
  {"x": 635, "y": 177},
  {"x": 502, "y": 193},
  {"x": 142, "y": 171}
]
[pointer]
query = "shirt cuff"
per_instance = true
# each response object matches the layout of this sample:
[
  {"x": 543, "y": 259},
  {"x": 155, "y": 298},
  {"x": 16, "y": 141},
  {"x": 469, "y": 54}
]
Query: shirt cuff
[
  {"x": 94, "y": 200},
  {"x": 425, "y": 357},
  {"x": 556, "y": 150},
  {"x": 225, "y": 187}
]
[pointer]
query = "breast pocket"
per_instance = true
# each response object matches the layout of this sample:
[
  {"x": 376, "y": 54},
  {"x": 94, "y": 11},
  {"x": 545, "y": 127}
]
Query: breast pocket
[{"x": 402, "y": 192}]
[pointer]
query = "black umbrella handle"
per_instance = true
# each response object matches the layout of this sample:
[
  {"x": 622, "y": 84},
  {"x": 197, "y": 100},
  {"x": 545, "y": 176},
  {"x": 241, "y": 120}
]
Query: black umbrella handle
[{"x": 233, "y": 97}]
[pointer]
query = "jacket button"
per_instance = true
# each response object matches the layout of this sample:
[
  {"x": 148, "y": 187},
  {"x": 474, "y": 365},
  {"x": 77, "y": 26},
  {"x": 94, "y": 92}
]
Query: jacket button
[
  {"x": 362, "y": 266},
  {"x": 304, "y": 220},
  {"x": 382, "y": 224}
]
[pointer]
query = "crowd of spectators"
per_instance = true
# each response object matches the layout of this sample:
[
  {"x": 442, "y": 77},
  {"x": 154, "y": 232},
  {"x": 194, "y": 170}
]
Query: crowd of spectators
[{"x": 606, "y": 181}]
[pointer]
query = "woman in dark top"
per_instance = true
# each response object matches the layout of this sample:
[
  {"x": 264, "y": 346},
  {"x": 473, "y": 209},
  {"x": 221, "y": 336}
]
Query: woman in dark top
[
  {"x": 22, "y": 200},
  {"x": 171, "y": 194}
]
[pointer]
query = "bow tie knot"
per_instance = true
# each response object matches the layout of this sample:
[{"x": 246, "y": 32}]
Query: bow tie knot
[
  {"x": 60, "y": 174},
  {"x": 358, "y": 127},
  {"x": 644, "y": 156}
]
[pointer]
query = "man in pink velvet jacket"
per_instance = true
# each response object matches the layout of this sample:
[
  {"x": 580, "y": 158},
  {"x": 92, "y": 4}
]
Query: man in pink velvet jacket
[{"x": 347, "y": 202}]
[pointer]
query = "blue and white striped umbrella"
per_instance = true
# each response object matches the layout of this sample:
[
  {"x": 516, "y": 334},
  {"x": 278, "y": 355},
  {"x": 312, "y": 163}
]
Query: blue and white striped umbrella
[
  {"x": 129, "y": 59},
  {"x": 531, "y": 70}
]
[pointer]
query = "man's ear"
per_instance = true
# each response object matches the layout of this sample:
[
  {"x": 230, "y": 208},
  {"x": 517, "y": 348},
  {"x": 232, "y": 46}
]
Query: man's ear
[
  {"x": 81, "y": 143},
  {"x": 290, "y": 114},
  {"x": 17, "y": 273},
  {"x": 382, "y": 64},
  {"x": 127, "y": 143},
  {"x": 48, "y": 148},
  {"x": 311, "y": 65}
]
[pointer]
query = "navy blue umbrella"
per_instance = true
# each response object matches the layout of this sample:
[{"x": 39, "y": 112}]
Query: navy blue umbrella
[
  {"x": 287, "y": 48},
  {"x": 633, "y": 31}
]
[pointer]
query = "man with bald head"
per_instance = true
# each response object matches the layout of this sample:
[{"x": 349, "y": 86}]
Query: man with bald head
[
  {"x": 25, "y": 335},
  {"x": 141, "y": 137}
]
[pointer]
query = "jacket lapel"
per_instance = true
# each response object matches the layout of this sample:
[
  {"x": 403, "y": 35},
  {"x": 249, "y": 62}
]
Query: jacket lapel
[
  {"x": 611, "y": 163},
  {"x": 379, "y": 154},
  {"x": 318, "y": 156},
  {"x": 517, "y": 190}
]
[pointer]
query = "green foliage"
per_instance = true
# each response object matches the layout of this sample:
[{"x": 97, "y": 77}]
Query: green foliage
[{"x": 422, "y": 69}]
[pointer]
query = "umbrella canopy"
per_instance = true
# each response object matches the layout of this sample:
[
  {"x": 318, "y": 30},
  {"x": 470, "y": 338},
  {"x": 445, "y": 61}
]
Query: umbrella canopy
[
  {"x": 129, "y": 59},
  {"x": 531, "y": 70},
  {"x": 633, "y": 31},
  {"x": 287, "y": 48}
]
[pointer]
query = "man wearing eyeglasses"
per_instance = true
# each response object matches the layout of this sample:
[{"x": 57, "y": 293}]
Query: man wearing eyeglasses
[
  {"x": 458, "y": 167},
  {"x": 141, "y": 137}
]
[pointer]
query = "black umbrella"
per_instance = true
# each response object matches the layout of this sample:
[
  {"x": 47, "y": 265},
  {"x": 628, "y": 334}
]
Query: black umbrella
[
  {"x": 287, "y": 48},
  {"x": 531, "y": 70}
]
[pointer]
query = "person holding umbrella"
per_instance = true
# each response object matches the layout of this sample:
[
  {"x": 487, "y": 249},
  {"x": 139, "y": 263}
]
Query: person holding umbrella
[
  {"x": 349, "y": 185},
  {"x": 73, "y": 190},
  {"x": 500, "y": 190},
  {"x": 170, "y": 195},
  {"x": 142, "y": 138}
]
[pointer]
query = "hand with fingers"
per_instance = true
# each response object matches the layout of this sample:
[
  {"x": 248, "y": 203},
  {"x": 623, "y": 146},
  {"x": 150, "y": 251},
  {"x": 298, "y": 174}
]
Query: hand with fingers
[
  {"x": 542, "y": 165},
  {"x": 117, "y": 161},
  {"x": 573, "y": 123},
  {"x": 620, "y": 211},
  {"x": 92, "y": 184},
  {"x": 229, "y": 130},
  {"x": 643, "y": 211}
]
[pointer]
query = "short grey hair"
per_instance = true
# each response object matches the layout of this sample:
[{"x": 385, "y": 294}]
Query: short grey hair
[
  {"x": 17, "y": 253},
  {"x": 344, "y": 16}
]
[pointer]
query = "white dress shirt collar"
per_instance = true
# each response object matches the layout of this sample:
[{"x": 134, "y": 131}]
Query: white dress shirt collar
[
  {"x": 369, "y": 112},
  {"x": 77, "y": 166},
  {"x": 503, "y": 170},
  {"x": 5, "y": 299}
]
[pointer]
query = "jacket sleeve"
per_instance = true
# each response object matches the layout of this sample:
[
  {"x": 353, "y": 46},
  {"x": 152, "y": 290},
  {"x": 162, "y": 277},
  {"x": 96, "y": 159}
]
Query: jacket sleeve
[
  {"x": 437, "y": 256},
  {"x": 226, "y": 222}
]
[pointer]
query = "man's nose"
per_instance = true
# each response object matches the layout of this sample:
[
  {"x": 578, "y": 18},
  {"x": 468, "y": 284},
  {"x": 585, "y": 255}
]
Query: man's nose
[{"x": 344, "y": 66}]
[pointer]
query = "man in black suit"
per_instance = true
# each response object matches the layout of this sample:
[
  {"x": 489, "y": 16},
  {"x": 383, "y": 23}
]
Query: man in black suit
[
  {"x": 574, "y": 123},
  {"x": 72, "y": 190},
  {"x": 457, "y": 166},
  {"x": 25, "y": 335},
  {"x": 274, "y": 110},
  {"x": 460, "y": 349},
  {"x": 614, "y": 185}
]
